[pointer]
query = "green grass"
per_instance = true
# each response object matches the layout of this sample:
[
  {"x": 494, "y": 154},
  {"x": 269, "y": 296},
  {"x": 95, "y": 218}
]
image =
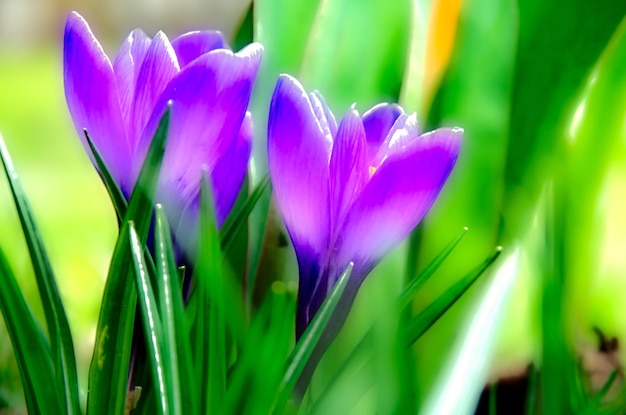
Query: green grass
[{"x": 70, "y": 204}]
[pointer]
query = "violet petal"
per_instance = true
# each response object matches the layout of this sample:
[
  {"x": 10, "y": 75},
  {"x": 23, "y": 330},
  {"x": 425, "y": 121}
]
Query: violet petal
[
  {"x": 349, "y": 168},
  {"x": 396, "y": 198},
  {"x": 194, "y": 44},
  {"x": 92, "y": 97},
  {"x": 298, "y": 156},
  {"x": 158, "y": 68},
  {"x": 126, "y": 67}
]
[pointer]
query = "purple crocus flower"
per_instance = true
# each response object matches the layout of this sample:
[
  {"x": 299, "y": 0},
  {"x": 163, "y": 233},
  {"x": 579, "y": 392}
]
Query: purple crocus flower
[
  {"x": 120, "y": 104},
  {"x": 349, "y": 192}
]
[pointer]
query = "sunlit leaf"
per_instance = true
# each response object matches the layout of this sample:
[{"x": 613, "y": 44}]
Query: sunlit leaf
[
  {"x": 62, "y": 346},
  {"x": 31, "y": 349},
  {"x": 108, "y": 372}
]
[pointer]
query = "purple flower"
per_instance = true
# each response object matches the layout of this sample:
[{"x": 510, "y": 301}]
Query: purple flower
[
  {"x": 349, "y": 192},
  {"x": 121, "y": 103}
]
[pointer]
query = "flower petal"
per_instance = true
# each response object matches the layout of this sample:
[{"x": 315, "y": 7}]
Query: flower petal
[
  {"x": 396, "y": 199},
  {"x": 126, "y": 67},
  {"x": 209, "y": 101},
  {"x": 92, "y": 97},
  {"x": 158, "y": 68},
  {"x": 194, "y": 44},
  {"x": 349, "y": 168},
  {"x": 323, "y": 114},
  {"x": 230, "y": 170},
  {"x": 299, "y": 156},
  {"x": 377, "y": 122}
]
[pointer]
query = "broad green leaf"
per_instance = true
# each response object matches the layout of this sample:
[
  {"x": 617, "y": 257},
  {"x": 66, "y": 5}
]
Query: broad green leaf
[
  {"x": 209, "y": 330},
  {"x": 549, "y": 73},
  {"x": 30, "y": 347},
  {"x": 474, "y": 94},
  {"x": 108, "y": 372},
  {"x": 302, "y": 352},
  {"x": 116, "y": 195},
  {"x": 463, "y": 377},
  {"x": 176, "y": 346},
  {"x": 356, "y": 52},
  {"x": 62, "y": 346},
  {"x": 429, "y": 316}
]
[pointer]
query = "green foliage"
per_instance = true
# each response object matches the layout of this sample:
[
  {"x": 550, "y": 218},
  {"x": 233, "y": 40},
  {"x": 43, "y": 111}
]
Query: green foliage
[
  {"x": 110, "y": 362},
  {"x": 62, "y": 349}
]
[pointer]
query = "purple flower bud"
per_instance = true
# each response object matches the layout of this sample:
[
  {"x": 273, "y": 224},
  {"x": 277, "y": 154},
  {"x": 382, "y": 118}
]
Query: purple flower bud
[
  {"x": 120, "y": 104},
  {"x": 349, "y": 192}
]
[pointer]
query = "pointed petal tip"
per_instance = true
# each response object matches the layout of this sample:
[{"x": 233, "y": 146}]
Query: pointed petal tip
[{"x": 253, "y": 51}]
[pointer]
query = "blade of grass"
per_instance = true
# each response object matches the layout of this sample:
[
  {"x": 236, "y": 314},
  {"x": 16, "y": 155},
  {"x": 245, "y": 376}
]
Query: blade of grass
[
  {"x": 460, "y": 383},
  {"x": 116, "y": 195},
  {"x": 235, "y": 220},
  {"x": 594, "y": 406},
  {"x": 176, "y": 341},
  {"x": 152, "y": 328},
  {"x": 108, "y": 372},
  {"x": 62, "y": 346},
  {"x": 304, "y": 348},
  {"x": 531, "y": 398},
  {"x": 417, "y": 282},
  {"x": 429, "y": 316},
  {"x": 210, "y": 330},
  {"x": 29, "y": 345}
]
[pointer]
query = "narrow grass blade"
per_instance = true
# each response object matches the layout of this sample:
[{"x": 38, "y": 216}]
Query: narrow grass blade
[
  {"x": 463, "y": 377},
  {"x": 421, "y": 278},
  {"x": 594, "y": 406},
  {"x": 235, "y": 220},
  {"x": 29, "y": 345},
  {"x": 176, "y": 344},
  {"x": 531, "y": 398},
  {"x": 116, "y": 195},
  {"x": 429, "y": 316},
  {"x": 152, "y": 326},
  {"x": 108, "y": 372},
  {"x": 304, "y": 348},
  {"x": 210, "y": 330},
  {"x": 62, "y": 346},
  {"x": 260, "y": 363}
]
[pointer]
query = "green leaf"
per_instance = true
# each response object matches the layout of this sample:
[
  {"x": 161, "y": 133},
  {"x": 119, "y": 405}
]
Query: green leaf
[
  {"x": 429, "y": 316},
  {"x": 31, "y": 349},
  {"x": 260, "y": 363},
  {"x": 235, "y": 220},
  {"x": 153, "y": 328},
  {"x": 108, "y": 372},
  {"x": 116, "y": 195},
  {"x": 209, "y": 328},
  {"x": 62, "y": 347},
  {"x": 558, "y": 63},
  {"x": 594, "y": 406},
  {"x": 179, "y": 364},
  {"x": 338, "y": 61},
  {"x": 299, "y": 357},
  {"x": 421, "y": 278},
  {"x": 463, "y": 377}
]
